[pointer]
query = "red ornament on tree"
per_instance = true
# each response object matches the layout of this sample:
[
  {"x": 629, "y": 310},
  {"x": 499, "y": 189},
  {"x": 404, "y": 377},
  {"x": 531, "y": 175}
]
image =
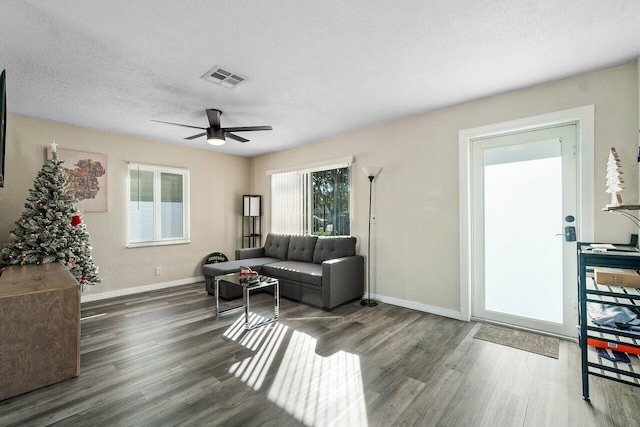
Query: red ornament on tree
[{"x": 75, "y": 219}]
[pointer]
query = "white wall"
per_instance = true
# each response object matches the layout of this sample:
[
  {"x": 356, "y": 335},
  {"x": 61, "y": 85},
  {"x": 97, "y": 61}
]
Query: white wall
[
  {"x": 217, "y": 184},
  {"x": 415, "y": 244}
]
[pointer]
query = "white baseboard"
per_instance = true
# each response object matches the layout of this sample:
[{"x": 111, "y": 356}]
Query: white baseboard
[
  {"x": 156, "y": 286},
  {"x": 139, "y": 289},
  {"x": 417, "y": 306}
]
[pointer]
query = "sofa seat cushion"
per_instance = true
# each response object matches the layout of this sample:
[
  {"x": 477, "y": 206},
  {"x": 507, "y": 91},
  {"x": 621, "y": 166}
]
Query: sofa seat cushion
[
  {"x": 221, "y": 268},
  {"x": 277, "y": 246},
  {"x": 301, "y": 248},
  {"x": 334, "y": 247},
  {"x": 295, "y": 271}
]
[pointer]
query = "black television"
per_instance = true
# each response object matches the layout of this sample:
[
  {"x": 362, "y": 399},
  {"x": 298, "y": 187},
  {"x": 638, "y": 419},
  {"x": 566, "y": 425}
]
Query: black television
[{"x": 3, "y": 122}]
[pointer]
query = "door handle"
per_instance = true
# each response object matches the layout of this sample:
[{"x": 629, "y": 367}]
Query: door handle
[{"x": 569, "y": 234}]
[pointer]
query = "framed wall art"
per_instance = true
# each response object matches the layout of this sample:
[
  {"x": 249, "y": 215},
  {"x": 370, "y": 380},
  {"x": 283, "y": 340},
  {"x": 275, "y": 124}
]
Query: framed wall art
[{"x": 87, "y": 173}]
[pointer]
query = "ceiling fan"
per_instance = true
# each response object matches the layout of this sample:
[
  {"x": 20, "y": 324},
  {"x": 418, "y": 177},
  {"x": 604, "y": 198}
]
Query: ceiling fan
[{"x": 215, "y": 133}]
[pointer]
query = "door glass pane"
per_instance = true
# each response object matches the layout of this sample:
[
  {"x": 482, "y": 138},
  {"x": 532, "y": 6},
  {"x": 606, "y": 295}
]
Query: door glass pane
[
  {"x": 171, "y": 206},
  {"x": 522, "y": 215},
  {"x": 141, "y": 205}
]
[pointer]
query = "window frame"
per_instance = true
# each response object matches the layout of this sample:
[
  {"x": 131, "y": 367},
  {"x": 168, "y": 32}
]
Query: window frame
[
  {"x": 310, "y": 210},
  {"x": 157, "y": 206},
  {"x": 307, "y": 196}
]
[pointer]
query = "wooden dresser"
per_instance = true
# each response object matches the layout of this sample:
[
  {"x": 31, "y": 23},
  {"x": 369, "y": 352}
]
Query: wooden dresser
[{"x": 39, "y": 327}]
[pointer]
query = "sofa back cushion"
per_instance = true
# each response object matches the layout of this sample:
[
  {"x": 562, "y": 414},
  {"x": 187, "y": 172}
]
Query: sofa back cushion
[
  {"x": 301, "y": 248},
  {"x": 334, "y": 247},
  {"x": 277, "y": 246}
]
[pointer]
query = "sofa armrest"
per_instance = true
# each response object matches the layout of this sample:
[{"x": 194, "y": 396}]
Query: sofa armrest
[
  {"x": 342, "y": 280},
  {"x": 249, "y": 253}
]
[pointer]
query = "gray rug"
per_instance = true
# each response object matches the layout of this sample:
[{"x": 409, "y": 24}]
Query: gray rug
[{"x": 527, "y": 341}]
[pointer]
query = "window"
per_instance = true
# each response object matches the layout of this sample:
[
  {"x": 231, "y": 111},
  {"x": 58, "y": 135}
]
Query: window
[
  {"x": 312, "y": 200},
  {"x": 158, "y": 205},
  {"x": 331, "y": 202}
]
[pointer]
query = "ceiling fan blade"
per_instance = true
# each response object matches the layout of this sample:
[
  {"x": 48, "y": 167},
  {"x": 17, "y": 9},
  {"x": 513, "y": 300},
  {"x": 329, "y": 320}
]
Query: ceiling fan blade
[
  {"x": 178, "y": 124},
  {"x": 247, "y": 128},
  {"x": 236, "y": 137},
  {"x": 196, "y": 136},
  {"x": 214, "y": 118}
]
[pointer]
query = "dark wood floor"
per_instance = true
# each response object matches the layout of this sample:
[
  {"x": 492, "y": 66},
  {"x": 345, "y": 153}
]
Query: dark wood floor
[{"x": 162, "y": 358}]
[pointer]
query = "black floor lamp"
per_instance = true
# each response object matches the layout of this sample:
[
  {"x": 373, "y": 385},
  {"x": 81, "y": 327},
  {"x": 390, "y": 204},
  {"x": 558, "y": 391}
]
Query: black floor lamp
[{"x": 371, "y": 173}]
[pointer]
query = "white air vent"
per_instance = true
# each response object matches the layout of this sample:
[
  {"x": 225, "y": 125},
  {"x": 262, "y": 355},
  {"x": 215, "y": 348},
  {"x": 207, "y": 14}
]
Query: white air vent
[{"x": 224, "y": 77}]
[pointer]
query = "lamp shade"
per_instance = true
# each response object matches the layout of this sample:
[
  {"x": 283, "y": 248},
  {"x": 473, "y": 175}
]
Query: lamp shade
[
  {"x": 371, "y": 170},
  {"x": 215, "y": 136},
  {"x": 251, "y": 205}
]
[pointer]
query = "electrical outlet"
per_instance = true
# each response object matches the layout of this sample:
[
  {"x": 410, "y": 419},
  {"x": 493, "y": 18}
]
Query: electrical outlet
[
  {"x": 158, "y": 271},
  {"x": 373, "y": 219}
]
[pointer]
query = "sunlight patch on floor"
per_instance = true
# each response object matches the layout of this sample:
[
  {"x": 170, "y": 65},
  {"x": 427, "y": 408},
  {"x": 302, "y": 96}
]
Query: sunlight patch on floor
[
  {"x": 264, "y": 341},
  {"x": 316, "y": 390},
  {"x": 319, "y": 391}
]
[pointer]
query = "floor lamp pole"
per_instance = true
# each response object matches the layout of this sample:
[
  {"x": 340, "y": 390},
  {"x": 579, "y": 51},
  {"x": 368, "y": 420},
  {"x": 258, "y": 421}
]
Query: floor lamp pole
[{"x": 368, "y": 302}]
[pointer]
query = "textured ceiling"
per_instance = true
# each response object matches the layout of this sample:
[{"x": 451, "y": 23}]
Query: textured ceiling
[{"x": 316, "y": 69}]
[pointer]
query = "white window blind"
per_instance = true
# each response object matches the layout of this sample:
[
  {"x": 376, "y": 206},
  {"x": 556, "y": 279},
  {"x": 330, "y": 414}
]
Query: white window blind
[{"x": 288, "y": 200}]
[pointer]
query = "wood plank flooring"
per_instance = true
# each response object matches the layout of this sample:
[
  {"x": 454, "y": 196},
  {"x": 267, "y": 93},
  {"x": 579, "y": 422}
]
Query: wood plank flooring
[{"x": 163, "y": 359}]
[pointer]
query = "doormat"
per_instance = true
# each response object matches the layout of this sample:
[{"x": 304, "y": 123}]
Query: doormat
[{"x": 527, "y": 341}]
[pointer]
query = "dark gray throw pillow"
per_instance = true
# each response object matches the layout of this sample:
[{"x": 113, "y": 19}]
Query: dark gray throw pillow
[
  {"x": 334, "y": 247},
  {"x": 301, "y": 248},
  {"x": 277, "y": 246}
]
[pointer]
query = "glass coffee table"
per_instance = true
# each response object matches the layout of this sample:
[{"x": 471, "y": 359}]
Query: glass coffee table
[{"x": 247, "y": 288}]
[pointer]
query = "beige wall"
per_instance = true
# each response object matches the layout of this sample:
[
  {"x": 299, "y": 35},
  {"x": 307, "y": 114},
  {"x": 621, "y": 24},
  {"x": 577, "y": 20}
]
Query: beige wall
[
  {"x": 415, "y": 248},
  {"x": 217, "y": 184},
  {"x": 415, "y": 244}
]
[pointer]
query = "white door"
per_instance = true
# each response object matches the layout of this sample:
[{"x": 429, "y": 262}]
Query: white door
[{"x": 524, "y": 194}]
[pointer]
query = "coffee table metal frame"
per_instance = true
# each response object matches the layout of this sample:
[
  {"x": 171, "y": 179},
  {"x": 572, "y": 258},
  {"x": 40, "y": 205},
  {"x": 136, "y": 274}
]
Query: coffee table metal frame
[{"x": 264, "y": 282}]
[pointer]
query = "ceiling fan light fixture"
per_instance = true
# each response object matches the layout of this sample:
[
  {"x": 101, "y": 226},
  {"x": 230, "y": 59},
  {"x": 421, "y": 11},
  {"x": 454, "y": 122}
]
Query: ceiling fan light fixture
[
  {"x": 216, "y": 141},
  {"x": 215, "y": 136}
]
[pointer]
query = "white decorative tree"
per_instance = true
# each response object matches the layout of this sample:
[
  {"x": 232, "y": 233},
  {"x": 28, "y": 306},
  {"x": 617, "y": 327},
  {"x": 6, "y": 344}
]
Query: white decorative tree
[
  {"x": 50, "y": 229},
  {"x": 614, "y": 180}
]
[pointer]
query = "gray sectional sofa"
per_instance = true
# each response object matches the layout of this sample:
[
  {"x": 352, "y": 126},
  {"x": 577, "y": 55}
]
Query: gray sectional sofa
[{"x": 321, "y": 271}]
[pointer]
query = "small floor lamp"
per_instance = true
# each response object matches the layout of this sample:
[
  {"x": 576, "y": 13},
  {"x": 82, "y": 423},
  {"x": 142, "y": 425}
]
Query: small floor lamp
[{"x": 371, "y": 173}]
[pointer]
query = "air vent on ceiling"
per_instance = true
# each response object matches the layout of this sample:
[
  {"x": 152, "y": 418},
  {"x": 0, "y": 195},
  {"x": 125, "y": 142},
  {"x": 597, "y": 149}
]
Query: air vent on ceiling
[{"x": 224, "y": 77}]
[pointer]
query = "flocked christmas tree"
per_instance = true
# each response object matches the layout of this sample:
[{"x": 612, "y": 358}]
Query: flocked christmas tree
[
  {"x": 50, "y": 229},
  {"x": 614, "y": 180}
]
